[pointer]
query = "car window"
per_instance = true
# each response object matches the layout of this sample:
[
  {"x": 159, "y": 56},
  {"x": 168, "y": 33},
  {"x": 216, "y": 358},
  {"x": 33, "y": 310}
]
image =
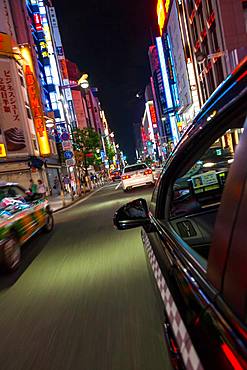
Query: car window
[
  {"x": 137, "y": 167},
  {"x": 196, "y": 193},
  {"x": 10, "y": 191}
]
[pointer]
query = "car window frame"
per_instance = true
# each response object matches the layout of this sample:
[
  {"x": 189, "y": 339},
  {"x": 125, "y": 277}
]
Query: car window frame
[
  {"x": 136, "y": 169},
  {"x": 182, "y": 159}
]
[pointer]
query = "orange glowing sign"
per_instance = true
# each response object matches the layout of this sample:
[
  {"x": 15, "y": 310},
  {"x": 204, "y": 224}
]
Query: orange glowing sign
[
  {"x": 5, "y": 43},
  {"x": 153, "y": 115},
  {"x": 162, "y": 12},
  {"x": 35, "y": 104},
  {"x": 161, "y": 15}
]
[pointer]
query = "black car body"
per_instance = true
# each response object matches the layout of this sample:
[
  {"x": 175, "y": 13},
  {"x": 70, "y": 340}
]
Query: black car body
[{"x": 195, "y": 234}]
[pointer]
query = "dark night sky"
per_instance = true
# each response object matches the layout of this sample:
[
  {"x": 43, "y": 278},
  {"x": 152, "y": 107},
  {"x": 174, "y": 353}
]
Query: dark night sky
[{"x": 109, "y": 40}]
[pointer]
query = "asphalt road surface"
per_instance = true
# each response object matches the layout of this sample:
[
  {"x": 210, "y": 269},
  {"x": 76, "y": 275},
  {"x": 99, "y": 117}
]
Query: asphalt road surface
[{"x": 83, "y": 297}]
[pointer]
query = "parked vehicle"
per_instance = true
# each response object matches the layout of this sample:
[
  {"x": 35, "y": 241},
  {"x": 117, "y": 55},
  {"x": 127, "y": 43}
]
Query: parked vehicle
[
  {"x": 194, "y": 234},
  {"x": 136, "y": 175},
  {"x": 22, "y": 215}
]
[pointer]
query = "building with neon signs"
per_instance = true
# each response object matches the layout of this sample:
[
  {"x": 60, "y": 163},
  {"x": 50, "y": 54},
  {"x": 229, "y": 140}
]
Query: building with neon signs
[{"x": 24, "y": 140}]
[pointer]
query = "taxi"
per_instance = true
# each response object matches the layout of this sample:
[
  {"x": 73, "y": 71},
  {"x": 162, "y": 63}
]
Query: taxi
[
  {"x": 194, "y": 234},
  {"x": 21, "y": 216}
]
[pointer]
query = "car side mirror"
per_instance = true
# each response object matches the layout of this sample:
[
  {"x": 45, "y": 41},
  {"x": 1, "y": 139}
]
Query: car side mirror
[{"x": 132, "y": 215}]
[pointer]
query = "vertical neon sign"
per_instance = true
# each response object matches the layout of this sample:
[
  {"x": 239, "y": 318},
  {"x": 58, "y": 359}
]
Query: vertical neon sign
[{"x": 168, "y": 95}]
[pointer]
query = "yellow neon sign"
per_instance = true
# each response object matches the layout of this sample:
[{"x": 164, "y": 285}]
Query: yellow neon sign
[
  {"x": 161, "y": 15},
  {"x": 35, "y": 102},
  {"x": 167, "y": 5},
  {"x": 2, "y": 151},
  {"x": 162, "y": 12}
]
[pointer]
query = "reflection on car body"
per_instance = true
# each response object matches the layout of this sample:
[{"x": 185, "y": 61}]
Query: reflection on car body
[{"x": 196, "y": 236}]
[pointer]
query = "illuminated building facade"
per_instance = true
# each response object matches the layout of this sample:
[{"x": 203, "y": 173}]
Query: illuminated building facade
[
  {"x": 200, "y": 43},
  {"x": 217, "y": 34},
  {"x": 20, "y": 134},
  {"x": 187, "y": 105},
  {"x": 55, "y": 98}
]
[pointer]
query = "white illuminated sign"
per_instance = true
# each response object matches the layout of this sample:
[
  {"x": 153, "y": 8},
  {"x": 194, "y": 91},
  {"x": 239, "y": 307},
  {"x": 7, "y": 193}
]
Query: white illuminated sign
[
  {"x": 164, "y": 72},
  {"x": 174, "y": 129},
  {"x": 167, "y": 88}
]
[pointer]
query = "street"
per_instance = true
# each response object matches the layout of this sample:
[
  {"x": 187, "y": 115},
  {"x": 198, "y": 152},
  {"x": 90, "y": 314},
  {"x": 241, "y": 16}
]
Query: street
[{"x": 83, "y": 297}]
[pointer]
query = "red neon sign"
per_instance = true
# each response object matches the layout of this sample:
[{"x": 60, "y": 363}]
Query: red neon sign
[
  {"x": 37, "y": 21},
  {"x": 153, "y": 115}
]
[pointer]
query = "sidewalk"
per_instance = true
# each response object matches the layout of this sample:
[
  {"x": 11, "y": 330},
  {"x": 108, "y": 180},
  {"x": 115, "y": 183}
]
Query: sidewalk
[{"x": 56, "y": 202}]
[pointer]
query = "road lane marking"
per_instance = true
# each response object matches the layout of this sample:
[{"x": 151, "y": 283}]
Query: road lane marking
[
  {"x": 79, "y": 201},
  {"x": 117, "y": 186}
]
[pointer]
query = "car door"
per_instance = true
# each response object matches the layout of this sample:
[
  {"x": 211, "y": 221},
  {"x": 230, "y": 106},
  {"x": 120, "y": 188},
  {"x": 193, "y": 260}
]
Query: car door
[{"x": 177, "y": 248}]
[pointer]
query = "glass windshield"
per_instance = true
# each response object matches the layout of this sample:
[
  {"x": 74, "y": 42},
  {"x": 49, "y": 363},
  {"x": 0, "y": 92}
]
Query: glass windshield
[
  {"x": 136, "y": 167},
  {"x": 10, "y": 191}
]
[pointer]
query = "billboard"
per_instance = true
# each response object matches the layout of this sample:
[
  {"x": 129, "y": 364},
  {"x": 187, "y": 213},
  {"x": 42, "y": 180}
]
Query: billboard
[
  {"x": 37, "y": 111},
  {"x": 162, "y": 13},
  {"x": 11, "y": 115}
]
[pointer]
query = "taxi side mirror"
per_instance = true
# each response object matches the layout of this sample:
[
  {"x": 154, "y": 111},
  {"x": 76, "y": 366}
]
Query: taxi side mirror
[{"x": 131, "y": 215}]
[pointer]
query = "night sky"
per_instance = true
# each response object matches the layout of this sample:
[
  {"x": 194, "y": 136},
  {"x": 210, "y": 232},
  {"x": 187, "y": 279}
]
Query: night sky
[{"x": 109, "y": 39}]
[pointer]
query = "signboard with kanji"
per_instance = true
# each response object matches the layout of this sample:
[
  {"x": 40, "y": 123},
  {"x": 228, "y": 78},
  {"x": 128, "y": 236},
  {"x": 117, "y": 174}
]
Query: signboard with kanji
[
  {"x": 37, "y": 111},
  {"x": 11, "y": 115},
  {"x": 67, "y": 145}
]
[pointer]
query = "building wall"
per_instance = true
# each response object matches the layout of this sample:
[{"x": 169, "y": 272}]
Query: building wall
[
  {"x": 232, "y": 20},
  {"x": 215, "y": 26},
  {"x": 6, "y": 21},
  {"x": 79, "y": 109},
  {"x": 173, "y": 29}
]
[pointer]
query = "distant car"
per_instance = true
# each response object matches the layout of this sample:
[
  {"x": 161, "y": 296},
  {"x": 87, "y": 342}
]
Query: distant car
[
  {"x": 115, "y": 175},
  {"x": 22, "y": 214},
  {"x": 136, "y": 175}
]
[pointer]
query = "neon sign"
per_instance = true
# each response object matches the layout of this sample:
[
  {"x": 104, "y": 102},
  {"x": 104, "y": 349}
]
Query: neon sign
[
  {"x": 153, "y": 115},
  {"x": 37, "y": 111},
  {"x": 37, "y": 21},
  {"x": 161, "y": 15},
  {"x": 162, "y": 12}
]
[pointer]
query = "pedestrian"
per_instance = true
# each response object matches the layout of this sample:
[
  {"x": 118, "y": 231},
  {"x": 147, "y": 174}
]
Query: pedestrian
[
  {"x": 41, "y": 189},
  {"x": 33, "y": 187},
  {"x": 56, "y": 186}
]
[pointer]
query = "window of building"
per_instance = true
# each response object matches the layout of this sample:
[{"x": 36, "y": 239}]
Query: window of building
[
  {"x": 190, "y": 6},
  {"x": 203, "y": 90},
  {"x": 28, "y": 112},
  {"x": 209, "y": 6},
  {"x": 245, "y": 14},
  {"x": 194, "y": 32},
  {"x": 210, "y": 80},
  {"x": 200, "y": 18},
  {"x": 214, "y": 39},
  {"x": 22, "y": 80},
  {"x": 197, "y": 192},
  {"x": 205, "y": 49},
  {"x": 219, "y": 71}
]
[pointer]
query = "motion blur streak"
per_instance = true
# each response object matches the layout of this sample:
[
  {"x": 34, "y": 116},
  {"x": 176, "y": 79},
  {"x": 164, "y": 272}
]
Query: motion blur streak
[{"x": 83, "y": 298}]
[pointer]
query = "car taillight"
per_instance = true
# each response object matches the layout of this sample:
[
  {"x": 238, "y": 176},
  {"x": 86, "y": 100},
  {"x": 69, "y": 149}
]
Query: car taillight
[
  {"x": 231, "y": 357},
  {"x": 125, "y": 177},
  {"x": 148, "y": 172}
]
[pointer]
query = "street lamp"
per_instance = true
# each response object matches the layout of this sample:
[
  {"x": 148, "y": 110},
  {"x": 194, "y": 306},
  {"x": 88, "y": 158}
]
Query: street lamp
[{"x": 83, "y": 81}]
